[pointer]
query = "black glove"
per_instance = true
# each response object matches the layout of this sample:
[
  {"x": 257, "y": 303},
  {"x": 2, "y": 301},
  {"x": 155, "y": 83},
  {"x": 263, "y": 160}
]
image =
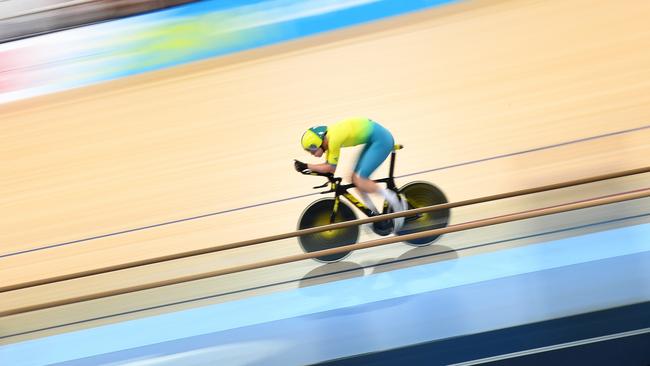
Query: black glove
[{"x": 301, "y": 167}]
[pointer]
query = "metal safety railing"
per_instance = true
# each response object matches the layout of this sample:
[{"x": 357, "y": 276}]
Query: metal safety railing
[{"x": 614, "y": 198}]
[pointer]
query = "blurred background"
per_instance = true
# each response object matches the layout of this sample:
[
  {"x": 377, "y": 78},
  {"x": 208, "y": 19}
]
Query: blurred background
[
  {"x": 133, "y": 130},
  {"x": 21, "y": 19}
]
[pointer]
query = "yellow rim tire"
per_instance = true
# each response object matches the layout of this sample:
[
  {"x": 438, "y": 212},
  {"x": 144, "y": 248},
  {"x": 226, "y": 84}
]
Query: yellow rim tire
[
  {"x": 318, "y": 214},
  {"x": 422, "y": 194}
]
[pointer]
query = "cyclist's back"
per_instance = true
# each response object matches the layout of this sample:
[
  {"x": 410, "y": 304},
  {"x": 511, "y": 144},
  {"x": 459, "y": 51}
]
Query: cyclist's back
[{"x": 357, "y": 131}]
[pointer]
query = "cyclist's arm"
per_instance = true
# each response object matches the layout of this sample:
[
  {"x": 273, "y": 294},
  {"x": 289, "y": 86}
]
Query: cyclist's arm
[{"x": 322, "y": 168}]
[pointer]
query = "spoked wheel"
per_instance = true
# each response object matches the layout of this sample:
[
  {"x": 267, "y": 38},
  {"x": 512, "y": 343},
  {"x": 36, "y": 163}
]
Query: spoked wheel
[
  {"x": 422, "y": 194},
  {"x": 318, "y": 214}
]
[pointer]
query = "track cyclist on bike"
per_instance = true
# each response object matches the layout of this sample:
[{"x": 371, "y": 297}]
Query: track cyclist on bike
[{"x": 355, "y": 131}]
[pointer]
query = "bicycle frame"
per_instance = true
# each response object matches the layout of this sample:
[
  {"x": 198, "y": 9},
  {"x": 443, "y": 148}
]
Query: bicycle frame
[{"x": 341, "y": 190}]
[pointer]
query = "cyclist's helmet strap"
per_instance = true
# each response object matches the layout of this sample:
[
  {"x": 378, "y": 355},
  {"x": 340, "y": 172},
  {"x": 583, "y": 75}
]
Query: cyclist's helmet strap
[{"x": 312, "y": 139}]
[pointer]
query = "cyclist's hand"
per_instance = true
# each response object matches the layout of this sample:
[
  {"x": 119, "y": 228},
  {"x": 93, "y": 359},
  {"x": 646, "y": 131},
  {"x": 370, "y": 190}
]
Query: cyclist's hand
[{"x": 301, "y": 167}]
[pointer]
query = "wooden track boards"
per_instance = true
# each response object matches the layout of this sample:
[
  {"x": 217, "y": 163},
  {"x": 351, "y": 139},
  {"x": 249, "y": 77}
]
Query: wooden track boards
[{"x": 455, "y": 84}]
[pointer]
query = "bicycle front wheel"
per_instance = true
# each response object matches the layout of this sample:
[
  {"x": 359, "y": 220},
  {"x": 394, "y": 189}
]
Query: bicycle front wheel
[
  {"x": 422, "y": 194},
  {"x": 318, "y": 214}
]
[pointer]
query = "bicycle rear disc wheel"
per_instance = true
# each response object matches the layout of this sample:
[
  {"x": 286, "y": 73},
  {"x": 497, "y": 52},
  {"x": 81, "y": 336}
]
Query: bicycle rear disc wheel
[
  {"x": 318, "y": 214},
  {"x": 422, "y": 194}
]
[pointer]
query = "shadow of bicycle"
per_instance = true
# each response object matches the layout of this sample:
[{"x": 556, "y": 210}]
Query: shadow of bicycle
[
  {"x": 415, "y": 257},
  {"x": 331, "y": 272},
  {"x": 345, "y": 270}
]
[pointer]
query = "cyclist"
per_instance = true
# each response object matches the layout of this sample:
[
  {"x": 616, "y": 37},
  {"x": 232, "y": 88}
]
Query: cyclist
[{"x": 352, "y": 132}]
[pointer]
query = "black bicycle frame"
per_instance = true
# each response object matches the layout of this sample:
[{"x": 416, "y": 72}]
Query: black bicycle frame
[{"x": 341, "y": 190}]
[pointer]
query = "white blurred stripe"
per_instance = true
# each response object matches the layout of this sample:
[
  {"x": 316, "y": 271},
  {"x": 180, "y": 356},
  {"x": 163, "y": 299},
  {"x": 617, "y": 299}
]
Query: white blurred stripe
[
  {"x": 554, "y": 347},
  {"x": 47, "y": 6},
  {"x": 257, "y": 15},
  {"x": 237, "y": 354}
]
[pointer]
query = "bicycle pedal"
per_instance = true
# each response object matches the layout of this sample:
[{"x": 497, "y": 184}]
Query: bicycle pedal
[{"x": 382, "y": 228}]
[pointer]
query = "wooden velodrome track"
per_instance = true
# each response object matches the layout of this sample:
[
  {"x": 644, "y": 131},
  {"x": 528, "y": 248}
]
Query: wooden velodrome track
[{"x": 456, "y": 84}]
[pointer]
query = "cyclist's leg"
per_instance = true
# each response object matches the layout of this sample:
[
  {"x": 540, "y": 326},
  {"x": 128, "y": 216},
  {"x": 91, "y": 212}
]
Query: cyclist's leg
[
  {"x": 376, "y": 151},
  {"x": 379, "y": 146},
  {"x": 366, "y": 185},
  {"x": 364, "y": 189}
]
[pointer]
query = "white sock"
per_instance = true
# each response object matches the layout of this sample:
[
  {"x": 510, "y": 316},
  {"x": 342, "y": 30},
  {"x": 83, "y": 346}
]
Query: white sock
[
  {"x": 392, "y": 199},
  {"x": 366, "y": 199}
]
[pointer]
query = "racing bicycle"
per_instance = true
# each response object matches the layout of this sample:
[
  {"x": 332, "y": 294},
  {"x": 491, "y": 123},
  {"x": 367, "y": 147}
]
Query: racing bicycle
[{"x": 333, "y": 210}]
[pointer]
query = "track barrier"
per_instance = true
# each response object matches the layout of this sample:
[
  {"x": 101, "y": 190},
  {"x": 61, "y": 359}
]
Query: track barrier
[{"x": 592, "y": 202}]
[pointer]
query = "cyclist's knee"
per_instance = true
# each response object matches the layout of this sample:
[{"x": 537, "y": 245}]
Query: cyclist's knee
[
  {"x": 355, "y": 179},
  {"x": 364, "y": 184}
]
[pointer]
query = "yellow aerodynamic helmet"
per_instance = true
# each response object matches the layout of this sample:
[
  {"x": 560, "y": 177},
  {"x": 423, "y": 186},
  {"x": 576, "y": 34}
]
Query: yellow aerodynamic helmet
[{"x": 312, "y": 139}]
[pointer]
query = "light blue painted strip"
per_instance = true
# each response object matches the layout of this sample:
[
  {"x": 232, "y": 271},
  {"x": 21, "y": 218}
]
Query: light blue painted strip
[
  {"x": 330, "y": 296},
  {"x": 449, "y": 315}
]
